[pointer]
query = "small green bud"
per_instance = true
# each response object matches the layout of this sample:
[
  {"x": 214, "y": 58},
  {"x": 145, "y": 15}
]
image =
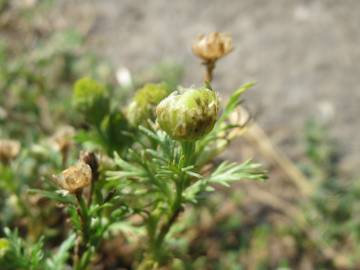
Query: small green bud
[
  {"x": 91, "y": 99},
  {"x": 144, "y": 103},
  {"x": 188, "y": 115}
]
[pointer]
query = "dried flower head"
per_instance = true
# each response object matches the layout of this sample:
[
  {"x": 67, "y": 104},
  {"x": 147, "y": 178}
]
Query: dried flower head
[
  {"x": 213, "y": 46},
  {"x": 189, "y": 114},
  {"x": 62, "y": 139},
  {"x": 75, "y": 177},
  {"x": 9, "y": 149}
]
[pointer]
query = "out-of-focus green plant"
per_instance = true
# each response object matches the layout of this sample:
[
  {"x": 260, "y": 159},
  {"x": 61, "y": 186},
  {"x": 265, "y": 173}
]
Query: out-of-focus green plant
[
  {"x": 39, "y": 77},
  {"x": 16, "y": 254},
  {"x": 333, "y": 208},
  {"x": 109, "y": 128},
  {"x": 92, "y": 100},
  {"x": 142, "y": 107}
]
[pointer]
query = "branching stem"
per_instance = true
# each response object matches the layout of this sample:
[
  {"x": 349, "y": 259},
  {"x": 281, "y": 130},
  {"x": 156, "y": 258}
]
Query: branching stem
[{"x": 176, "y": 207}]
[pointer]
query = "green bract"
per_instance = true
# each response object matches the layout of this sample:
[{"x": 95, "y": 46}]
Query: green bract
[
  {"x": 188, "y": 115},
  {"x": 91, "y": 99},
  {"x": 144, "y": 102}
]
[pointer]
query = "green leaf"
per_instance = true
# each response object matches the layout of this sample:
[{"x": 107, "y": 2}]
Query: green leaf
[
  {"x": 58, "y": 261},
  {"x": 228, "y": 172},
  {"x": 191, "y": 193},
  {"x": 234, "y": 101},
  {"x": 54, "y": 195},
  {"x": 21, "y": 255},
  {"x": 75, "y": 219},
  {"x": 214, "y": 142}
]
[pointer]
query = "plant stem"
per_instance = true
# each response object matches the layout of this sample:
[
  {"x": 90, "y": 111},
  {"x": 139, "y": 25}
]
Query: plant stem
[
  {"x": 80, "y": 262},
  {"x": 210, "y": 66},
  {"x": 165, "y": 229},
  {"x": 64, "y": 156},
  {"x": 83, "y": 212},
  {"x": 176, "y": 207},
  {"x": 188, "y": 149}
]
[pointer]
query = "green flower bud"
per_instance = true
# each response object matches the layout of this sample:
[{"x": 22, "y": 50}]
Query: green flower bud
[
  {"x": 188, "y": 115},
  {"x": 91, "y": 99},
  {"x": 144, "y": 103}
]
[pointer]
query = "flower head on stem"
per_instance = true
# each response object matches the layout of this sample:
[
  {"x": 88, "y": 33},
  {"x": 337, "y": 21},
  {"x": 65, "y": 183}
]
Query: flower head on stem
[
  {"x": 211, "y": 48},
  {"x": 75, "y": 177},
  {"x": 188, "y": 114}
]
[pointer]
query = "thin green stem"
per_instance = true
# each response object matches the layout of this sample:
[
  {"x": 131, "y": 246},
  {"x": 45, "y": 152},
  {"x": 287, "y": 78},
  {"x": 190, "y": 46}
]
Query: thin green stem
[
  {"x": 83, "y": 211},
  {"x": 176, "y": 207},
  {"x": 82, "y": 262}
]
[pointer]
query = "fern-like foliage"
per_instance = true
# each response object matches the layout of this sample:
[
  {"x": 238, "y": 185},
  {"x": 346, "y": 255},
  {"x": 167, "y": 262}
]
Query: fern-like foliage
[{"x": 20, "y": 255}]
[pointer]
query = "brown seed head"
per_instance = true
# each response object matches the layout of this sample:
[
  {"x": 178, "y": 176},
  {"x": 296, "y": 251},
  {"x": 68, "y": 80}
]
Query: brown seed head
[
  {"x": 213, "y": 46},
  {"x": 9, "y": 149},
  {"x": 75, "y": 177},
  {"x": 62, "y": 139}
]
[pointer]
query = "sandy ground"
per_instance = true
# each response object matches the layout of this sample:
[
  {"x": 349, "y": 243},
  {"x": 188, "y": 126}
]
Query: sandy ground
[{"x": 304, "y": 55}]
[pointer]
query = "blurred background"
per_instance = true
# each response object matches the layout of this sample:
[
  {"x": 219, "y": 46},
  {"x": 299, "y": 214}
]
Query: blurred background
[{"x": 303, "y": 55}]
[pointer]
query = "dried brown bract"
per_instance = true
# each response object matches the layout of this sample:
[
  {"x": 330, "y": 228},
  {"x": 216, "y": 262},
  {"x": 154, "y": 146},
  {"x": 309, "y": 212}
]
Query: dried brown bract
[
  {"x": 90, "y": 159},
  {"x": 75, "y": 177},
  {"x": 9, "y": 149},
  {"x": 213, "y": 46}
]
